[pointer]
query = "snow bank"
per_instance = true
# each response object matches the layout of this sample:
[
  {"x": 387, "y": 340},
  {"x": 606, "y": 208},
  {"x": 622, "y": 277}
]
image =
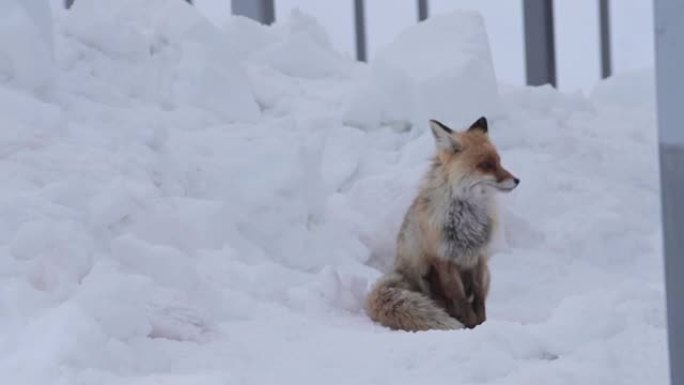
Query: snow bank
[
  {"x": 438, "y": 69},
  {"x": 206, "y": 213}
]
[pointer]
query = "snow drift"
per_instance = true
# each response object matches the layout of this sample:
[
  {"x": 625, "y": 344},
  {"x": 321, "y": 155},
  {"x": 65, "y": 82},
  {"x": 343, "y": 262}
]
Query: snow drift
[{"x": 191, "y": 205}]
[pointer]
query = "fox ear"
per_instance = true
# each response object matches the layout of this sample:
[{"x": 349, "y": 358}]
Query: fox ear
[
  {"x": 480, "y": 124},
  {"x": 443, "y": 137}
]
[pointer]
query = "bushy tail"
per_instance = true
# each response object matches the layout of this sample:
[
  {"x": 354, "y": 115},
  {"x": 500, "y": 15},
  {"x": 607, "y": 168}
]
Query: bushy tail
[{"x": 392, "y": 303}]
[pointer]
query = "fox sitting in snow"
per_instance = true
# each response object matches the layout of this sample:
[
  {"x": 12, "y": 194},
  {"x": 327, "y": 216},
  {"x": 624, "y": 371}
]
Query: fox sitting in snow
[{"x": 440, "y": 278}]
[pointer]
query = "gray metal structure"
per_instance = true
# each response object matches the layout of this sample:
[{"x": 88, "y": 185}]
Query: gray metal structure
[
  {"x": 540, "y": 54},
  {"x": 604, "y": 32},
  {"x": 360, "y": 28},
  {"x": 423, "y": 10},
  {"x": 669, "y": 55},
  {"x": 262, "y": 11}
]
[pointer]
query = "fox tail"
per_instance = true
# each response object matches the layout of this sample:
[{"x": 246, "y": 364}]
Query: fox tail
[{"x": 394, "y": 304}]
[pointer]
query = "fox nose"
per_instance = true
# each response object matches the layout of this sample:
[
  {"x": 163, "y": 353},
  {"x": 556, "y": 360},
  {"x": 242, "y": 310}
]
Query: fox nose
[{"x": 516, "y": 180}]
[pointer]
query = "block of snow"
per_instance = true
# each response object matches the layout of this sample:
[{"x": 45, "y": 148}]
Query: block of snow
[
  {"x": 247, "y": 36},
  {"x": 26, "y": 46},
  {"x": 635, "y": 89},
  {"x": 363, "y": 108},
  {"x": 438, "y": 69},
  {"x": 304, "y": 50}
]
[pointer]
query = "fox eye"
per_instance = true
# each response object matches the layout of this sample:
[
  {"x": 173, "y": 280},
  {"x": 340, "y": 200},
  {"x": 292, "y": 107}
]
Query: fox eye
[{"x": 486, "y": 166}]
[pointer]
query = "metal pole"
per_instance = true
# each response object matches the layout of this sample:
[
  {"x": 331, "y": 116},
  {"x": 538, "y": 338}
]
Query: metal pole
[
  {"x": 422, "y": 10},
  {"x": 540, "y": 55},
  {"x": 669, "y": 61},
  {"x": 262, "y": 11},
  {"x": 604, "y": 26},
  {"x": 360, "y": 26}
]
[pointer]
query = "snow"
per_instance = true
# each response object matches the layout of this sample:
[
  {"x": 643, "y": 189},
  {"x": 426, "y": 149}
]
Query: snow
[{"x": 195, "y": 205}]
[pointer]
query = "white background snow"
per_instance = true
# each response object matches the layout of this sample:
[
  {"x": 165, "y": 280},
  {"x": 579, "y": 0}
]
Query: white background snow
[
  {"x": 188, "y": 204},
  {"x": 576, "y": 29}
]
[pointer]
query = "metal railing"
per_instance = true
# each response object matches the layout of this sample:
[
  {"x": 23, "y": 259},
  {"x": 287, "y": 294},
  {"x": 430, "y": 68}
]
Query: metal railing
[
  {"x": 669, "y": 60},
  {"x": 540, "y": 47}
]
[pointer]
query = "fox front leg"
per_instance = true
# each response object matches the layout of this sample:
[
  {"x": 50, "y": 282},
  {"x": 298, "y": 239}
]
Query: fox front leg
[
  {"x": 447, "y": 288},
  {"x": 476, "y": 282}
]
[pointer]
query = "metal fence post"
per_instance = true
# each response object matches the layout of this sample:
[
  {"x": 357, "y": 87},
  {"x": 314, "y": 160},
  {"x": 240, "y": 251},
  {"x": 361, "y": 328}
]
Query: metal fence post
[
  {"x": 669, "y": 58},
  {"x": 604, "y": 27},
  {"x": 360, "y": 27},
  {"x": 540, "y": 55},
  {"x": 422, "y": 10},
  {"x": 262, "y": 11}
]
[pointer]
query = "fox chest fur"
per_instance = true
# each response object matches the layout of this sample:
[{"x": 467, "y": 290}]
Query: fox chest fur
[
  {"x": 454, "y": 228},
  {"x": 461, "y": 227},
  {"x": 466, "y": 231}
]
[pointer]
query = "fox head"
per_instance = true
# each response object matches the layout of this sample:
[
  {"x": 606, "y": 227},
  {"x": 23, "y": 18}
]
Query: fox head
[{"x": 469, "y": 158}]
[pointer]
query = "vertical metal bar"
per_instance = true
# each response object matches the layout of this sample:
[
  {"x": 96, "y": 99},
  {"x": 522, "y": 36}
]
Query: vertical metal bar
[
  {"x": 360, "y": 26},
  {"x": 540, "y": 55},
  {"x": 604, "y": 27},
  {"x": 262, "y": 11},
  {"x": 669, "y": 60},
  {"x": 422, "y": 10}
]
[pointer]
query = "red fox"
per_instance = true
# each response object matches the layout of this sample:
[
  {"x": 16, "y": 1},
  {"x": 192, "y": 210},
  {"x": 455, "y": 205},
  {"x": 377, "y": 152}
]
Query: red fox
[{"x": 441, "y": 278}]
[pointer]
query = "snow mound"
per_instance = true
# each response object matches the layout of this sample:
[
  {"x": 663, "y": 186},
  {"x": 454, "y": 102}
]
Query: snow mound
[{"x": 438, "y": 69}]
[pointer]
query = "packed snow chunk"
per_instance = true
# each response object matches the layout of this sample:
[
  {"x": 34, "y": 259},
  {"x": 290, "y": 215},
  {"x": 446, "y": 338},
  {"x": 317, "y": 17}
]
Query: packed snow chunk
[
  {"x": 247, "y": 36},
  {"x": 438, "y": 69},
  {"x": 208, "y": 78},
  {"x": 57, "y": 251},
  {"x": 341, "y": 155},
  {"x": 63, "y": 333},
  {"x": 184, "y": 223},
  {"x": 24, "y": 115},
  {"x": 363, "y": 109},
  {"x": 165, "y": 265},
  {"x": 119, "y": 302},
  {"x": 162, "y": 52},
  {"x": 630, "y": 90},
  {"x": 304, "y": 51},
  {"x": 26, "y": 46}
]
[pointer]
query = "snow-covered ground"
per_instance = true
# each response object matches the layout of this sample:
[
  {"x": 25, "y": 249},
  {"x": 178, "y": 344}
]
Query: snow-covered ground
[{"x": 183, "y": 204}]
